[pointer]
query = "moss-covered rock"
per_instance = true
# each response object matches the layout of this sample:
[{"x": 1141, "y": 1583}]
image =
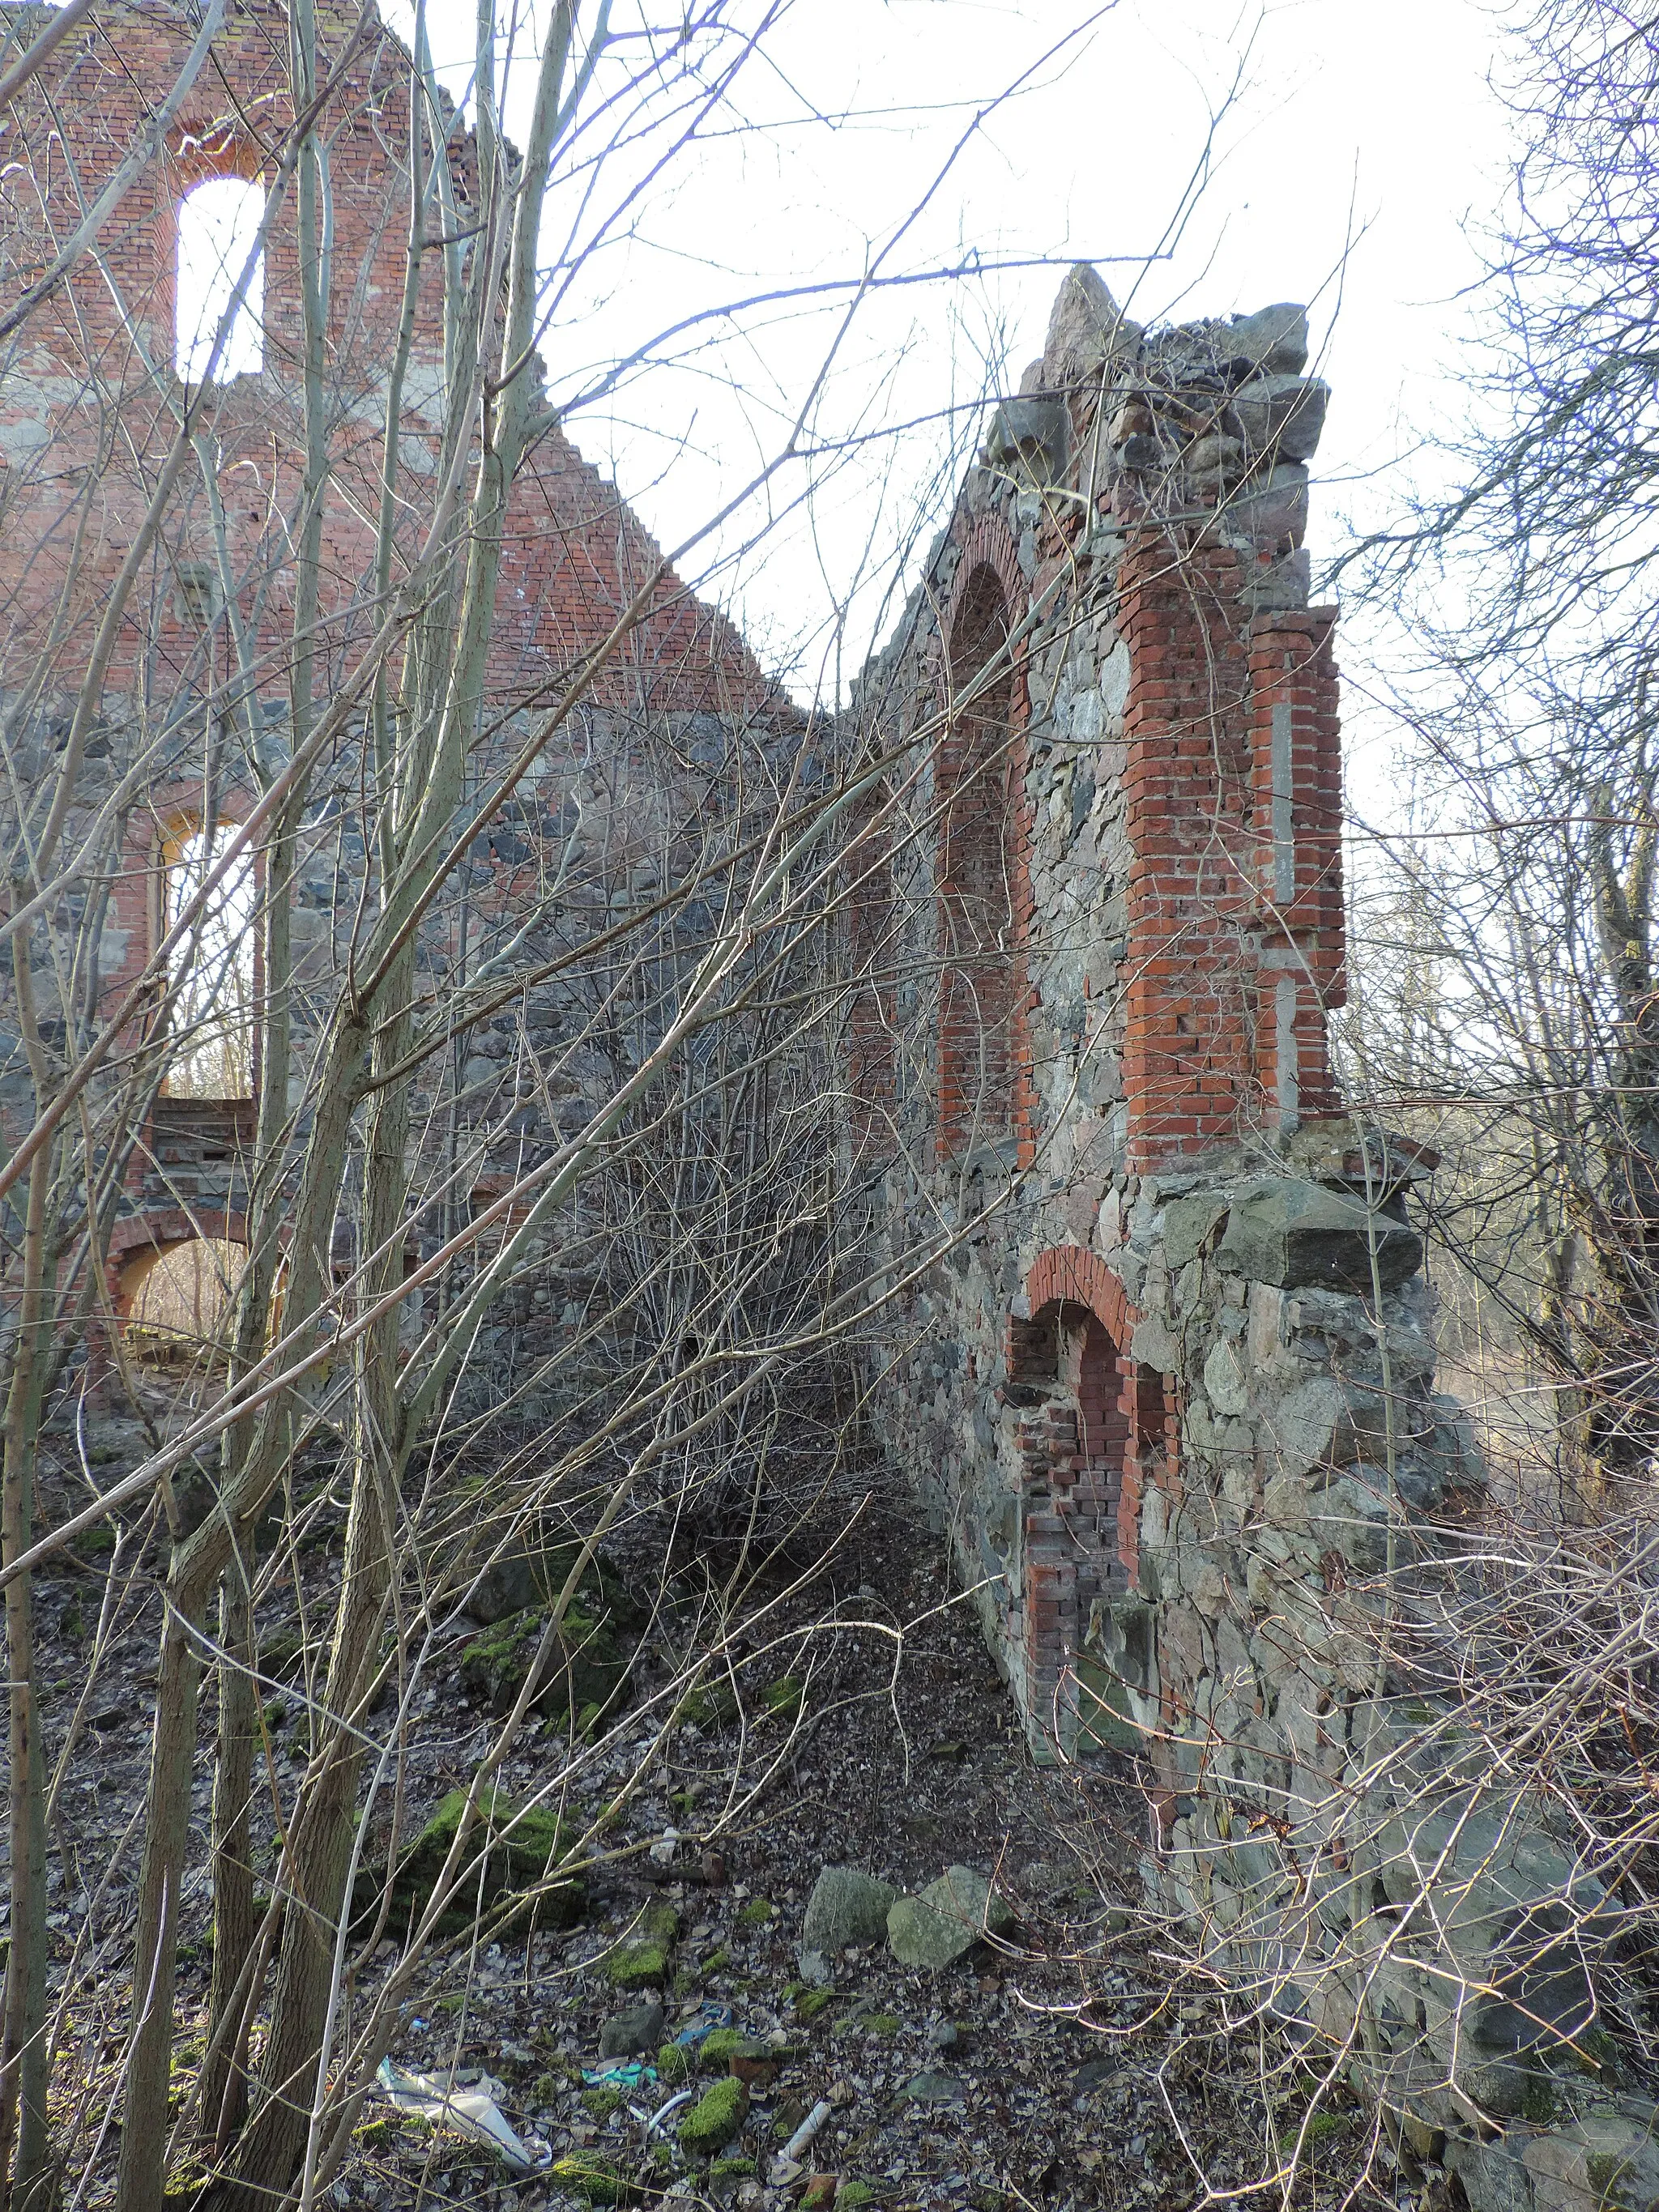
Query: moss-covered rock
[
  {"x": 532, "y": 1573},
  {"x": 521, "y": 1848},
  {"x": 715, "y": 2117},
  {"x": 673, "y": 2064},
  {"x": 641, "y": 1961},
  {"x": 585, "y": 1668}
]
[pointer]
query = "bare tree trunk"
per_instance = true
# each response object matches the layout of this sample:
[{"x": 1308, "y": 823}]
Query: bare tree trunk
[
  {"x": 23, "y": 2074},
  {"x": 235, "y": 1923}
]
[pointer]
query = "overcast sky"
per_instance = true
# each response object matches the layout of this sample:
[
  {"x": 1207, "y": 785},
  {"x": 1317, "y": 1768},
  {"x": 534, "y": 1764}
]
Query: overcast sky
[{"x": 1357, "y": 149}]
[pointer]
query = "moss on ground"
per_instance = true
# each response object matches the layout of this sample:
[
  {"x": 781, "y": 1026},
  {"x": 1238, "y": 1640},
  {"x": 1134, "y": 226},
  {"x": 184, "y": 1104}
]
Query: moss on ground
[
  {"x": 722, "y": 2045},
  {"x": 715, "y": 2117},
  {"x": 641, "y": 1961},
  {"x": 590, "y": 2179},
  {"x": 710, "y": 1705},
  {"x": 522, "y": 1847},
  {"x": 781, "y": 1698}
]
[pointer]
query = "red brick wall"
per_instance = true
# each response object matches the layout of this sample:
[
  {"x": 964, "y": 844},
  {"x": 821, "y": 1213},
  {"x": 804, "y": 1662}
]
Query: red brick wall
[
  {"x": 80, "y": 408},
  {"x": 1188, "y": 1063},
  {"x": 1296, "y": 774},
  {"x": 1233, "y": 789}
]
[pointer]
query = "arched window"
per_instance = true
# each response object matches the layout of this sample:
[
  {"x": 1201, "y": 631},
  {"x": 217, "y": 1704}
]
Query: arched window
[
  {"x": 212, "y": 967},
  {"x": 218, "y": 230},
  {"x": 979, "y": 962}
]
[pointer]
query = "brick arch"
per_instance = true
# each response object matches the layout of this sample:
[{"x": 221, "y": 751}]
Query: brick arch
[
  {"x": 160, "y": 1226},
  {"x": 984, "y": 901},
  {"x": 984, "y": 541},
  {"x": 1070, "y": 1274},
  {"x": 139, "y": 1243},
  {"x": 1136, "y": 1415}
]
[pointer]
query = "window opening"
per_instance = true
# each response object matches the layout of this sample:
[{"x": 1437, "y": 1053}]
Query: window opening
[
  {"x": 197, "y": 594},
  {"x": 212, "y": 968},
  {"x": 977, "y": 904},
  {"x": 218, "y": 228}
]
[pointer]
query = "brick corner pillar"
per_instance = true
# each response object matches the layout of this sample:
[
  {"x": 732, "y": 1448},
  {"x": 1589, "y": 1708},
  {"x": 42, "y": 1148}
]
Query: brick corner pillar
[
  {"x": 1296, "y": 776},
  {"x": 1189, "y": 1062}
]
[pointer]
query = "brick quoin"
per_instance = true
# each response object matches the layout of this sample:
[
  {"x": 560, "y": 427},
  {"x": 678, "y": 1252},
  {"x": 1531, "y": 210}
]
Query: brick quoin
[{"x": 1232, "y": 792}]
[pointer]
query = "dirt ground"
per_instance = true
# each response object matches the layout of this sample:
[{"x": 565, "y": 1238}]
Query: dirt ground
[{"x": 1078, "y": 2061}]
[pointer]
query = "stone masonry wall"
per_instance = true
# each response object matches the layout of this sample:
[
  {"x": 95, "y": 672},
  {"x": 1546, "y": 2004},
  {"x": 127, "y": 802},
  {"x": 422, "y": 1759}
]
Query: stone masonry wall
[{"x": 1170, "y": 1388}]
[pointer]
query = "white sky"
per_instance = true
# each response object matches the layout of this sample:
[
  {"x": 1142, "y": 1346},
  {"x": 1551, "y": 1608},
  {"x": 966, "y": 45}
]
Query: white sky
[{"x": 1362, "y": 141}]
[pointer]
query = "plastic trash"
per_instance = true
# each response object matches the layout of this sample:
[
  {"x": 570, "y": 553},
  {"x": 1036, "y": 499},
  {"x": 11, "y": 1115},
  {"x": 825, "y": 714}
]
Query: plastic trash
[
  {"x": 710, "y": 2015},
  {"x": 472, "y": 2112},
  {"x": 618, "y": 2073},
  {"x": 786, "y": 2166},
  {"x": 681, "y": 2097}
]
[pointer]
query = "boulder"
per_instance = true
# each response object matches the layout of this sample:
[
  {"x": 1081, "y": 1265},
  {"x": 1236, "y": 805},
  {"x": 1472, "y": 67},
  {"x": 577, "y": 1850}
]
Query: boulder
[
  {"x": 1605, "y": 2162},
  {"x": 584, "y": 1668},
  {"x": 944, "y": 1924},
  {"x": 1087, "y": 327},
  {"x": 1273, "y": 338},
  {"x": 638, "y": 2027},
  {"x": 934, "y": 2089},
  {"x": 845, "y": 1907},
  {"x": 1289, "y": 1233},
  {"x": 1282, "y": 413}
]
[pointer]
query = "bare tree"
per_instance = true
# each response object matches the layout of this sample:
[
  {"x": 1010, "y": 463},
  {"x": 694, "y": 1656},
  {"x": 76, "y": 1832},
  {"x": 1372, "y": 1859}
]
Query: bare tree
[
  {"x": 1528, "y": 589},
  {"x": 427, "y": 998}
]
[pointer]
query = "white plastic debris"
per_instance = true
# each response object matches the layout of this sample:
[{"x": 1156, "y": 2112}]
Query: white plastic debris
[
  {"x": 472, "y": 2111},
  {"x": 786, "y": 2167},
  {"x": 666, "y": 1845}
]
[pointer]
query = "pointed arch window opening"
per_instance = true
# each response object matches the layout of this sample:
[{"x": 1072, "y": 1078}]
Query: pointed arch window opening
[{"x": 977, "y": 916}]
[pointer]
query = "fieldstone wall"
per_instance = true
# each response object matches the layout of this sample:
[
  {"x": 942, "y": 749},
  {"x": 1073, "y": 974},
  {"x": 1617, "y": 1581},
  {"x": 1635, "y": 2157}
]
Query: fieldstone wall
[{"x": 1170, "y": 1386}]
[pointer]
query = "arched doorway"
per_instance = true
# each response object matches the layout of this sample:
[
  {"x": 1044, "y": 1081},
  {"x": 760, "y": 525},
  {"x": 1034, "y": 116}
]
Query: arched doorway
[
  {"x": 1094, "y": 1433},
  {"x": 174, "y": 1300}
]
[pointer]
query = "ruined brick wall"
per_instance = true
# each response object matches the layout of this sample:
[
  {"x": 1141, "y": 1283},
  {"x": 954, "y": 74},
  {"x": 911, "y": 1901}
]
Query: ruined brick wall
[
  {"x": 90, "y": 390},
  {"x": 1169, "y": 1387},
  {"x": 1116, "y": 854},
  {"x": 90, "y": 409}
]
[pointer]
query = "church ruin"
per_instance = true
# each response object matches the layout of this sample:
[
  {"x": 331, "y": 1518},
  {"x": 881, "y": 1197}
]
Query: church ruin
[{"x": 1169, "y": 1391}]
